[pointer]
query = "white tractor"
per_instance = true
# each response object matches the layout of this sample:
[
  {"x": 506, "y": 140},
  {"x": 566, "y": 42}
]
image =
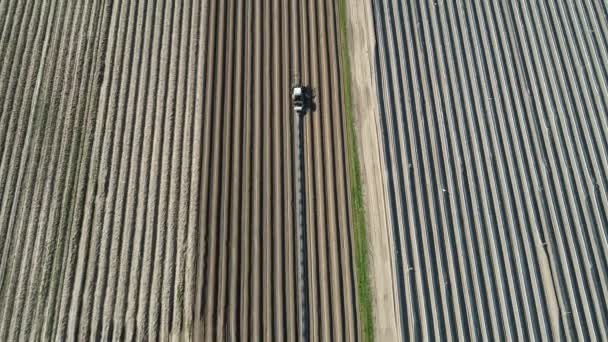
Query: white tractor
[
  {"x": 298, "y": 97},
  {"x": 301, "y": 97}
]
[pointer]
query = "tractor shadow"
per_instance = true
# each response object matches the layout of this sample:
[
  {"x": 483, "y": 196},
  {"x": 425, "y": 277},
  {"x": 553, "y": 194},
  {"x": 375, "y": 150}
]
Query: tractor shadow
[{"x": 309, "y": 99}]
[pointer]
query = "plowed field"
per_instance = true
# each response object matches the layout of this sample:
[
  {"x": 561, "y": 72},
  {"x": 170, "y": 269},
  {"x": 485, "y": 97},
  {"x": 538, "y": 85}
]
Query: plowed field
[
  {"x": 248, "y": 265},
  {"x": 100, "y": 128},
  {"x": 148, "y": 172}
]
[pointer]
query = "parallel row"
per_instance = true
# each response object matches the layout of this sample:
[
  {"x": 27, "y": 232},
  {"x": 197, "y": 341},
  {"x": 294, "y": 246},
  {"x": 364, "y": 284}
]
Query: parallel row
[
  {"x": 495, "y": 135},
  {"x": 331, "y": 278},
  {"x": 98, "y": 174},
  {"x": 247, "y": 265}
]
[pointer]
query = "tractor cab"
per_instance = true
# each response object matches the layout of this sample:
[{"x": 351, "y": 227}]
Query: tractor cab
[
  {"x": 298, "y": 97},
  {"x": 302, "y": 99}
]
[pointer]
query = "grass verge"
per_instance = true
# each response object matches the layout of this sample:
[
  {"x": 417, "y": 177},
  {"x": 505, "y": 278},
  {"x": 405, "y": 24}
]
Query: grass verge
[{"x": 356, "y": 188}]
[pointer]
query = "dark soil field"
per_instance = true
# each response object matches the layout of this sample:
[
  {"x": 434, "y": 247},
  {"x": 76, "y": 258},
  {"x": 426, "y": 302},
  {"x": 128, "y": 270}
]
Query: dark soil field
[
  {"x": 495, "y": 135},
  {"x": 248, "y": 266}
]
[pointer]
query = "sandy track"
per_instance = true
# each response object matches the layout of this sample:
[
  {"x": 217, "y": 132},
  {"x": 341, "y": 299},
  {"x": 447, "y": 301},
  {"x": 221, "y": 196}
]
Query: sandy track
[
  {"x": 365, "y": 101},
  {"x": 248, "y": 260},
  {"x": 99, "y": 168},
  {"x": 494, "y": 127}
]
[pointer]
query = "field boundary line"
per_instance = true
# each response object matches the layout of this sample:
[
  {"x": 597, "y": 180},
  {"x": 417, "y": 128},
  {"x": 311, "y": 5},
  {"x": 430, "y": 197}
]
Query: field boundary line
[{"x": 364, "y": 290}]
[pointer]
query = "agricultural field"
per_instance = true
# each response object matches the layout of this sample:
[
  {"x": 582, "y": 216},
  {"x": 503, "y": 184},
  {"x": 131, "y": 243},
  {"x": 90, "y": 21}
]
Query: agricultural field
[
  {"x": 249, "y": 248},
  {"x": 100, "y": 130},
  {"x": 494, "y": 134},
  {"x": 447, "y": 180},
  {"x": 152, "y": 172}
]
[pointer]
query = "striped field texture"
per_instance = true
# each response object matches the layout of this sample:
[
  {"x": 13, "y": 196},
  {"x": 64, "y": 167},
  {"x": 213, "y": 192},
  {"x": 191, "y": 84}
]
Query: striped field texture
[
  {"x": 495, "y": 135},
  {"x": 248, "y": 273},
  {"x": 99, "y": 176},
  {"x": 147, "y": 174}
]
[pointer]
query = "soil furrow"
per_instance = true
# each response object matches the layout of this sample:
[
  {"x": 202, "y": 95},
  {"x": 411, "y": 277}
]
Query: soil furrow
[{"x": 147, "y": 160}]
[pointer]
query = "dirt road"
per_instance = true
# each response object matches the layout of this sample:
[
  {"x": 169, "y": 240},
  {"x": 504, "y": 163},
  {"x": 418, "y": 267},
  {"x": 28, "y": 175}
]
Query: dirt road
[
  {"x": 365, "y": 100},
  {"x": 247, "y": 267}
]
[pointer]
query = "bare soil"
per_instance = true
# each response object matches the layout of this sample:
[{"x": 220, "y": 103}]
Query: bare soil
[{"x": 365, "y": 107}]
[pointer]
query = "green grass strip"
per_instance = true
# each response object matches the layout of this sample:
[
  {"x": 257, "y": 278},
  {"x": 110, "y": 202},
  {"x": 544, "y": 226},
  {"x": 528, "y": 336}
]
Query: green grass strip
[{"x": 356, "y": 186}]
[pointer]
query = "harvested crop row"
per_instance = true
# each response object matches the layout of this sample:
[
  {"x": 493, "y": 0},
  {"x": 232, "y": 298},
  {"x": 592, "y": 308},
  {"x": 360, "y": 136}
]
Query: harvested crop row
[
  {"x": 99, "y": 168},
  {"x": 147, "y": 172}
]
